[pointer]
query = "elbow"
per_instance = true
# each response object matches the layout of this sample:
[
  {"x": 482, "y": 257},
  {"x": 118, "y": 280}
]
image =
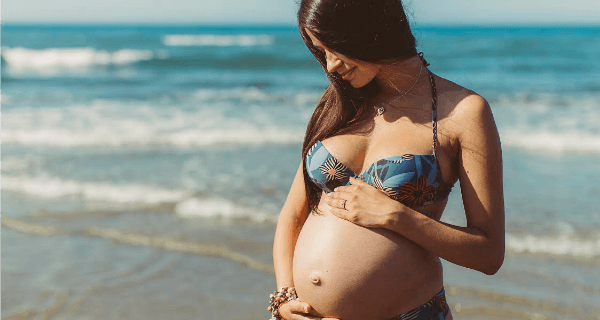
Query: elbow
[
  {"x": 493, "y": 264},
  {"x": 492, "y": 269}
]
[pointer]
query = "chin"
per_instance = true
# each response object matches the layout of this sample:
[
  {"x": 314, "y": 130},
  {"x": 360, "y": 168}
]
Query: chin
[{"x": 359, "y": 83}]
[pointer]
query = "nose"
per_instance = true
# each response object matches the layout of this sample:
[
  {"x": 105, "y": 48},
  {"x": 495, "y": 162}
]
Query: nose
[{"x": 333, "y": 62}]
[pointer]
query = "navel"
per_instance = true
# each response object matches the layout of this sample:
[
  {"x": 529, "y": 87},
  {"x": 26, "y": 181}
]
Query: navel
[{"x": 315, "y": 278}]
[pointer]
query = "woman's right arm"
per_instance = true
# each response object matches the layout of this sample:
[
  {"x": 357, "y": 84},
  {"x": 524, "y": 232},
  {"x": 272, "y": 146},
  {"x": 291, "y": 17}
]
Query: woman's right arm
[
  {"x": 291, "y": 219},
  {"x": 290, "y": 222}
]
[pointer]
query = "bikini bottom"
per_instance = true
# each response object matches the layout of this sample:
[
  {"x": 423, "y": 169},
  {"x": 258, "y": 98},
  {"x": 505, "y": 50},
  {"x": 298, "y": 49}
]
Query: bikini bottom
[{"x": 435, "y": 309}]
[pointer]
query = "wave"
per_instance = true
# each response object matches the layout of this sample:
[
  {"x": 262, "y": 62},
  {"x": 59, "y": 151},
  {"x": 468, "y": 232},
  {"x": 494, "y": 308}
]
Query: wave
[
  {"x": 112, "y": 124},
  {"x": 14, "y": 163},
  {"x": 244, "y": 94},
  {"x": 552, "y": 141},
  {"x": 480, "y": 301},
  {"x": 135, "y": 195},
  {"x": 217, "y": 40},
  {"x": 252, "y": 61},
  {"x": 249, "y": 115},
  {"x": 565, "y": 244},
  {"x": 53, "y": 188},
  {"x": 222, "y": 208},
  {"x": 47, "y": 60},
  {"x": 4, "y": 98},
  {"x": 51, "y": 61},
  {"x": 186, "y": 205},
  {"x": 128, "y": 137},
  {"x": 255, "y": 94},
  {"x": 137, "y": 239},
  {"x": 548, "y": 122}
]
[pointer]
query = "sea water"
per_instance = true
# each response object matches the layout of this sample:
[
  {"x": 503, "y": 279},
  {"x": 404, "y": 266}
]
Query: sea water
[{"x": 144, "y": 167}]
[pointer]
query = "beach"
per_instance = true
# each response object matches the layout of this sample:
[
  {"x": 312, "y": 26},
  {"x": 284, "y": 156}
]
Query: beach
[{"x": 144, "y": 167}]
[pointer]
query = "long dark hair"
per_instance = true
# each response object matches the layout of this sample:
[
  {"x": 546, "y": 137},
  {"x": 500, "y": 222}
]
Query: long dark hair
[{"x": 365, "y": 30}]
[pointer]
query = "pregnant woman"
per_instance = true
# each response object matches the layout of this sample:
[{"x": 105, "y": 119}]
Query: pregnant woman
[{"x": 359, "y": 236}]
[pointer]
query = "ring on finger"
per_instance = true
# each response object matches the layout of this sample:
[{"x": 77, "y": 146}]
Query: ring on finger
[{"x": 344, "y": 204}]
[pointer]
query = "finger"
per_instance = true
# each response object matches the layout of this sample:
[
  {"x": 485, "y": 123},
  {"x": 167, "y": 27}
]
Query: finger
[
  {"x": 308, "y": 317},
  {"x": 336, "y": 203},
  {"x": 314, "y": 318},
  {"x": 300, "y": 311},
  {"x": 340, "y": 213},
  {"x": 343, "y": 188},
  {"x": 299, "y": 306},
  {"x": 340, "y": 201},
  {"x": 358, "y": 182},
  {"x": 343, "y": 200},
  {"x": 340, "y": 193}
]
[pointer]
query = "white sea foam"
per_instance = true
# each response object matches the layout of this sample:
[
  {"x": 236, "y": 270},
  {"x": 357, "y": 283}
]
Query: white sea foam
[
  {"x": 49, "y": 60},
  {"x": 132, "y": 194},
  {"x": 139, "y": 134},
  {"x": 52, "y": 187},
  {"x": 254, "y": 94},
  {"x": 307, "y": 97},
  {"x": 552, "y": 141},
  {"x": 565, "y": 244},
  {"x": 14, "y": 164},
  {"x": 111, "y": 124},
  {"x": 550, "y": 123},
  {"x": 217, "y": 40},
  {"x": 4, "y": 98},
  {"x": 244, "y": 94},
  {"x": 216, "y": 207}
]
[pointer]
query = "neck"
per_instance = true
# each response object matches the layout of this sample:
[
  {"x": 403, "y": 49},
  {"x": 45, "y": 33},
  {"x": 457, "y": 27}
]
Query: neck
[{"x": 405, "y": 78}]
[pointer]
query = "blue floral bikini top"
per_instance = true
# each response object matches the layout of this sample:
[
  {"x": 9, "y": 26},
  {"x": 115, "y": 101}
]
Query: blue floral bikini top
[{"x": 412, "y": 179}]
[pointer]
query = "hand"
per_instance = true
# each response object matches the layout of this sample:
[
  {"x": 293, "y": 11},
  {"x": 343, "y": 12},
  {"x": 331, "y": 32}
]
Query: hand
[
  {"x": 364, "y": 204},
  {"x": 298, "y": 310}
]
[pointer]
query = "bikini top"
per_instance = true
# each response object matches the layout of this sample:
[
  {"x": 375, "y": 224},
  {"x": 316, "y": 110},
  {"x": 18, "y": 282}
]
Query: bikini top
[{"x": 412, "y": 179}]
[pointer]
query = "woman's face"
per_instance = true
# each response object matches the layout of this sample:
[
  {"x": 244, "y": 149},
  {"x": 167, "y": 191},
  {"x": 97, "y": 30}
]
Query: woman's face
[{"x": 357, "y": 73}]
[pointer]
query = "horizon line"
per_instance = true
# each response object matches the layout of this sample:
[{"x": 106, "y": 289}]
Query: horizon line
[{"x": 290, "y": 24}]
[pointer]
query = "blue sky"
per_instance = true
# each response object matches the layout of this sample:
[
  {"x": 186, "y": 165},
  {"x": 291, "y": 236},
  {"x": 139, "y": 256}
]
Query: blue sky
[{"x": 283, "y": 11}]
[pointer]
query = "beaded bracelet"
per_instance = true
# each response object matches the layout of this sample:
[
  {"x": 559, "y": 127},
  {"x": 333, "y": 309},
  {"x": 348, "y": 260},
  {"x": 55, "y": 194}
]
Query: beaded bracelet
[{"x": 284, "y": 294}]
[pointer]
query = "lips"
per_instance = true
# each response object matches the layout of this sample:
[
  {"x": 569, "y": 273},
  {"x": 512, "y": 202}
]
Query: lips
[{"x": 346, "y": 74}]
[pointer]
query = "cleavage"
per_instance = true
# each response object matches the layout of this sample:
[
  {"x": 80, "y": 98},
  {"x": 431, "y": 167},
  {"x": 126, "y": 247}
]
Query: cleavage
[{"x": 352, "y": 150}]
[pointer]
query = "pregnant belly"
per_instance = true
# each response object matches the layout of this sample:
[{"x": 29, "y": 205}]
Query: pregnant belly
[{"x": 350, "y": 272}]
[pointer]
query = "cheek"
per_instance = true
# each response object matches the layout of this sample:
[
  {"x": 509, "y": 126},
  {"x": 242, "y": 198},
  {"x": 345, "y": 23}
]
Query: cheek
[
  {"x": 372, "y": 74},
  {"x": 367, "y": 72},
  {"x": 363, "y": 77}
]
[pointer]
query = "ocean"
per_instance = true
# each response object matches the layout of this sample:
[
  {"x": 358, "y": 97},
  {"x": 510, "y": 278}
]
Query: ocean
[{"x": 143, "y": 167}]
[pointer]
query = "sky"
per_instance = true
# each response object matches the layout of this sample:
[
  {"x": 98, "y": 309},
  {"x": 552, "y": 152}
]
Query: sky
[{"x": 465, "y": 12}]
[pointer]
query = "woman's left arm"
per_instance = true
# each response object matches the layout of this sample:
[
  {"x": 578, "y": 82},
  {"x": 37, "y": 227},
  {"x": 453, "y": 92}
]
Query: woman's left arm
[{"x": 479, "y": 245}]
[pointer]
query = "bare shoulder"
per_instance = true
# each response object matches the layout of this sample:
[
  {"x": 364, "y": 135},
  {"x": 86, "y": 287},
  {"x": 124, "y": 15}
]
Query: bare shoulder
[{"x": 461, "y": 110}]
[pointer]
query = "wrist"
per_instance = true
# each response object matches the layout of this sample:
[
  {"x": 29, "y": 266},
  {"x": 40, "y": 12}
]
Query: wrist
[
  {"x": 392, "y": 217},
  {"x": 278, "y": 298}
]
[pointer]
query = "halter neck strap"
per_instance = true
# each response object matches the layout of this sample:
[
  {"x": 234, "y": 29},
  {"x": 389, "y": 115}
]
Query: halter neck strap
[
  {"x": 425, "y": 63},
  {"x": 433, "y": 113}
]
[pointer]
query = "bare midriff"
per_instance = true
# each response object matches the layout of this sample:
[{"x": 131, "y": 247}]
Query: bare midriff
[{"x": 355, "y": 273}]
